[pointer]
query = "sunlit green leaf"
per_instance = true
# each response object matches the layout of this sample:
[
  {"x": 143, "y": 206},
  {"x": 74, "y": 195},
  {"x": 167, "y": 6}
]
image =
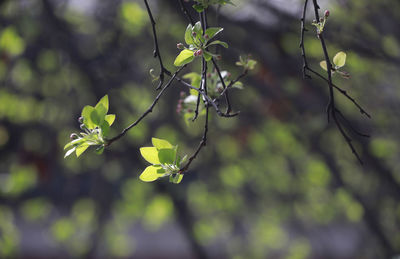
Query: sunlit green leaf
[
  {"x": 86, "y": 114},
  {"x": 186, "y": 56},
  {"x": 150, "y": 154},
  {"x": 110, "y": 118},
  {"x": 161, "y": 143},
  {"x": 151, "y": 173},
  {"x": 81, "y": 149},
  {"x": 340, "y": 59}
]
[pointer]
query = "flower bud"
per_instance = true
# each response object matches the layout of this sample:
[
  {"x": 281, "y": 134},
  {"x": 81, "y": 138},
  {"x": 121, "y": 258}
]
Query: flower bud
[
  {"x": 73, "y": 136},
  {"x": 327, "y": 13},
  {"x": 199, "y": 52},
  {"x": 206, "y": 36},
  {"x": 194, "y": 34},
  {"x": 180, "y": 46}
]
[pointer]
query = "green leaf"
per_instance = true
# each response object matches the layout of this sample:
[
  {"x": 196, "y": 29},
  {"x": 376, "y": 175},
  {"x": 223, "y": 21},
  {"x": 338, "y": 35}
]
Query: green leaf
[
  {"x": 161, "y": 143},
  {"x": 224, "y": 44},
  {"x": 197, "y": 29},
  {"x": 150, "y": 154},
  {"x": 186, "y": 56},
  {"x": 151, "y": 173},
  {"x": 86, "y": 114},
  {"x": 340, "y": 59},
  {"x": 213, "y": 31},
  {"x": 69, "y": 152},
  {"x": 103, "y": 101},
  {"x": 198, "y": 7},
  {"x": 110, "y": 118},
  {"x": 105, "y": 128},
  {"x": 207, "y": 55},
  {"x": 188, "y": 35},
  {"x": 167, "y": 156},
  {"x": 323, "y": 65},
  {"x": 73, "y": 142},
  {"x": 176, "y": 179},
  {"x": 81, "y": 149},
  {"x": 95, "y": 118}
]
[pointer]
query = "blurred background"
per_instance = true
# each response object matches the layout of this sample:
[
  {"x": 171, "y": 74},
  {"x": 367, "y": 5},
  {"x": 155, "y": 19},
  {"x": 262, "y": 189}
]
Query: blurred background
[{"x": 277, "y": 181}]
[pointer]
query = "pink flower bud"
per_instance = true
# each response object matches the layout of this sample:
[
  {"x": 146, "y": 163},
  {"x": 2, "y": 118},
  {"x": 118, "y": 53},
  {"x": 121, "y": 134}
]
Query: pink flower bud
[
  {"x": 199, "y": 52},
  {"x": 327, "y": 13},
  {"x": 194, "y": 34},
  {"x": 206, "y": 36}
]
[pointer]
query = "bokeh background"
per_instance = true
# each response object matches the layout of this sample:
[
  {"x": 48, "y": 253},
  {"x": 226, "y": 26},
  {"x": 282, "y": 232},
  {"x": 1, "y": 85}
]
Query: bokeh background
[{"x": 277, "y": 181}]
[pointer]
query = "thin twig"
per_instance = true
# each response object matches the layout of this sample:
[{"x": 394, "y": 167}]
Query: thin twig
[
  {"x": 185, "y": 12},
  {"x": 156, "y": 52},
  {"x": 228, "y": 103},
  {"x": 149, "y": 110},
  {"x": 303, "y": 50}
]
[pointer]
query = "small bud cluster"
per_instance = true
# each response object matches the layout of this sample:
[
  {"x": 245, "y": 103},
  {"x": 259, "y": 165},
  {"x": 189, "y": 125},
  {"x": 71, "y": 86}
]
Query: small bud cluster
[{"x": 198, "y": 53}]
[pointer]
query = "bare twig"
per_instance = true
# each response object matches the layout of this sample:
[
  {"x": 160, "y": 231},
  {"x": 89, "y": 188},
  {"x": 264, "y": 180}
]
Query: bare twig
[
  {"x": 149, "y": 110},
  {"x": 156, "y": 52}
]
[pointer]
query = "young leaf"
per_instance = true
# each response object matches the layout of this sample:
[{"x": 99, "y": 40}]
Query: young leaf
[
  {"x": 110, "y": 118},
  {"x": 224, "y": 44},
  {"x": 86, "y": 114},
  {"x": 81, "y": 149},
  {"x": 69, "y": 152},
  {"x": 105, "y": 128},
  {"x": 167, "y": 156},
  {"x": 150, "y": 154},
  {"x": 188, "y": 34},
  {"x": 161, "y": 143},
  {"x": 323, "y": 65},
  {"x": 186, "y": 56},
  {"x": 340, "y": 59},
  {"x": 95, "y": 117},
  {"x": 73, "y": 142},
  {"x": 197, "y": 29},
  {"x": 103, "y": 101},
  {"x": 176, "y": 179},
  {"x": 213, "y": 31},
  {"x": 151, "y": 173},
  {"x": 198, "y": 7}
]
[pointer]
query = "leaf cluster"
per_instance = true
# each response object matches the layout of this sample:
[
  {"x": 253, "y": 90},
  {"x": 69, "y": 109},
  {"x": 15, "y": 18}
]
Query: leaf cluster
[
  {"x": 95, "y": 123},
  {"x": 164, "y": 159},
  {"x": 339, "y": 60},
  {"x": 198, "y": 44}
]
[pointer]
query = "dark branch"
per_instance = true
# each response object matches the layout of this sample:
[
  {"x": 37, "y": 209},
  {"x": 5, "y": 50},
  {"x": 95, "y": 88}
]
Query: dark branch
[{"x": 156, "y": 52}]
